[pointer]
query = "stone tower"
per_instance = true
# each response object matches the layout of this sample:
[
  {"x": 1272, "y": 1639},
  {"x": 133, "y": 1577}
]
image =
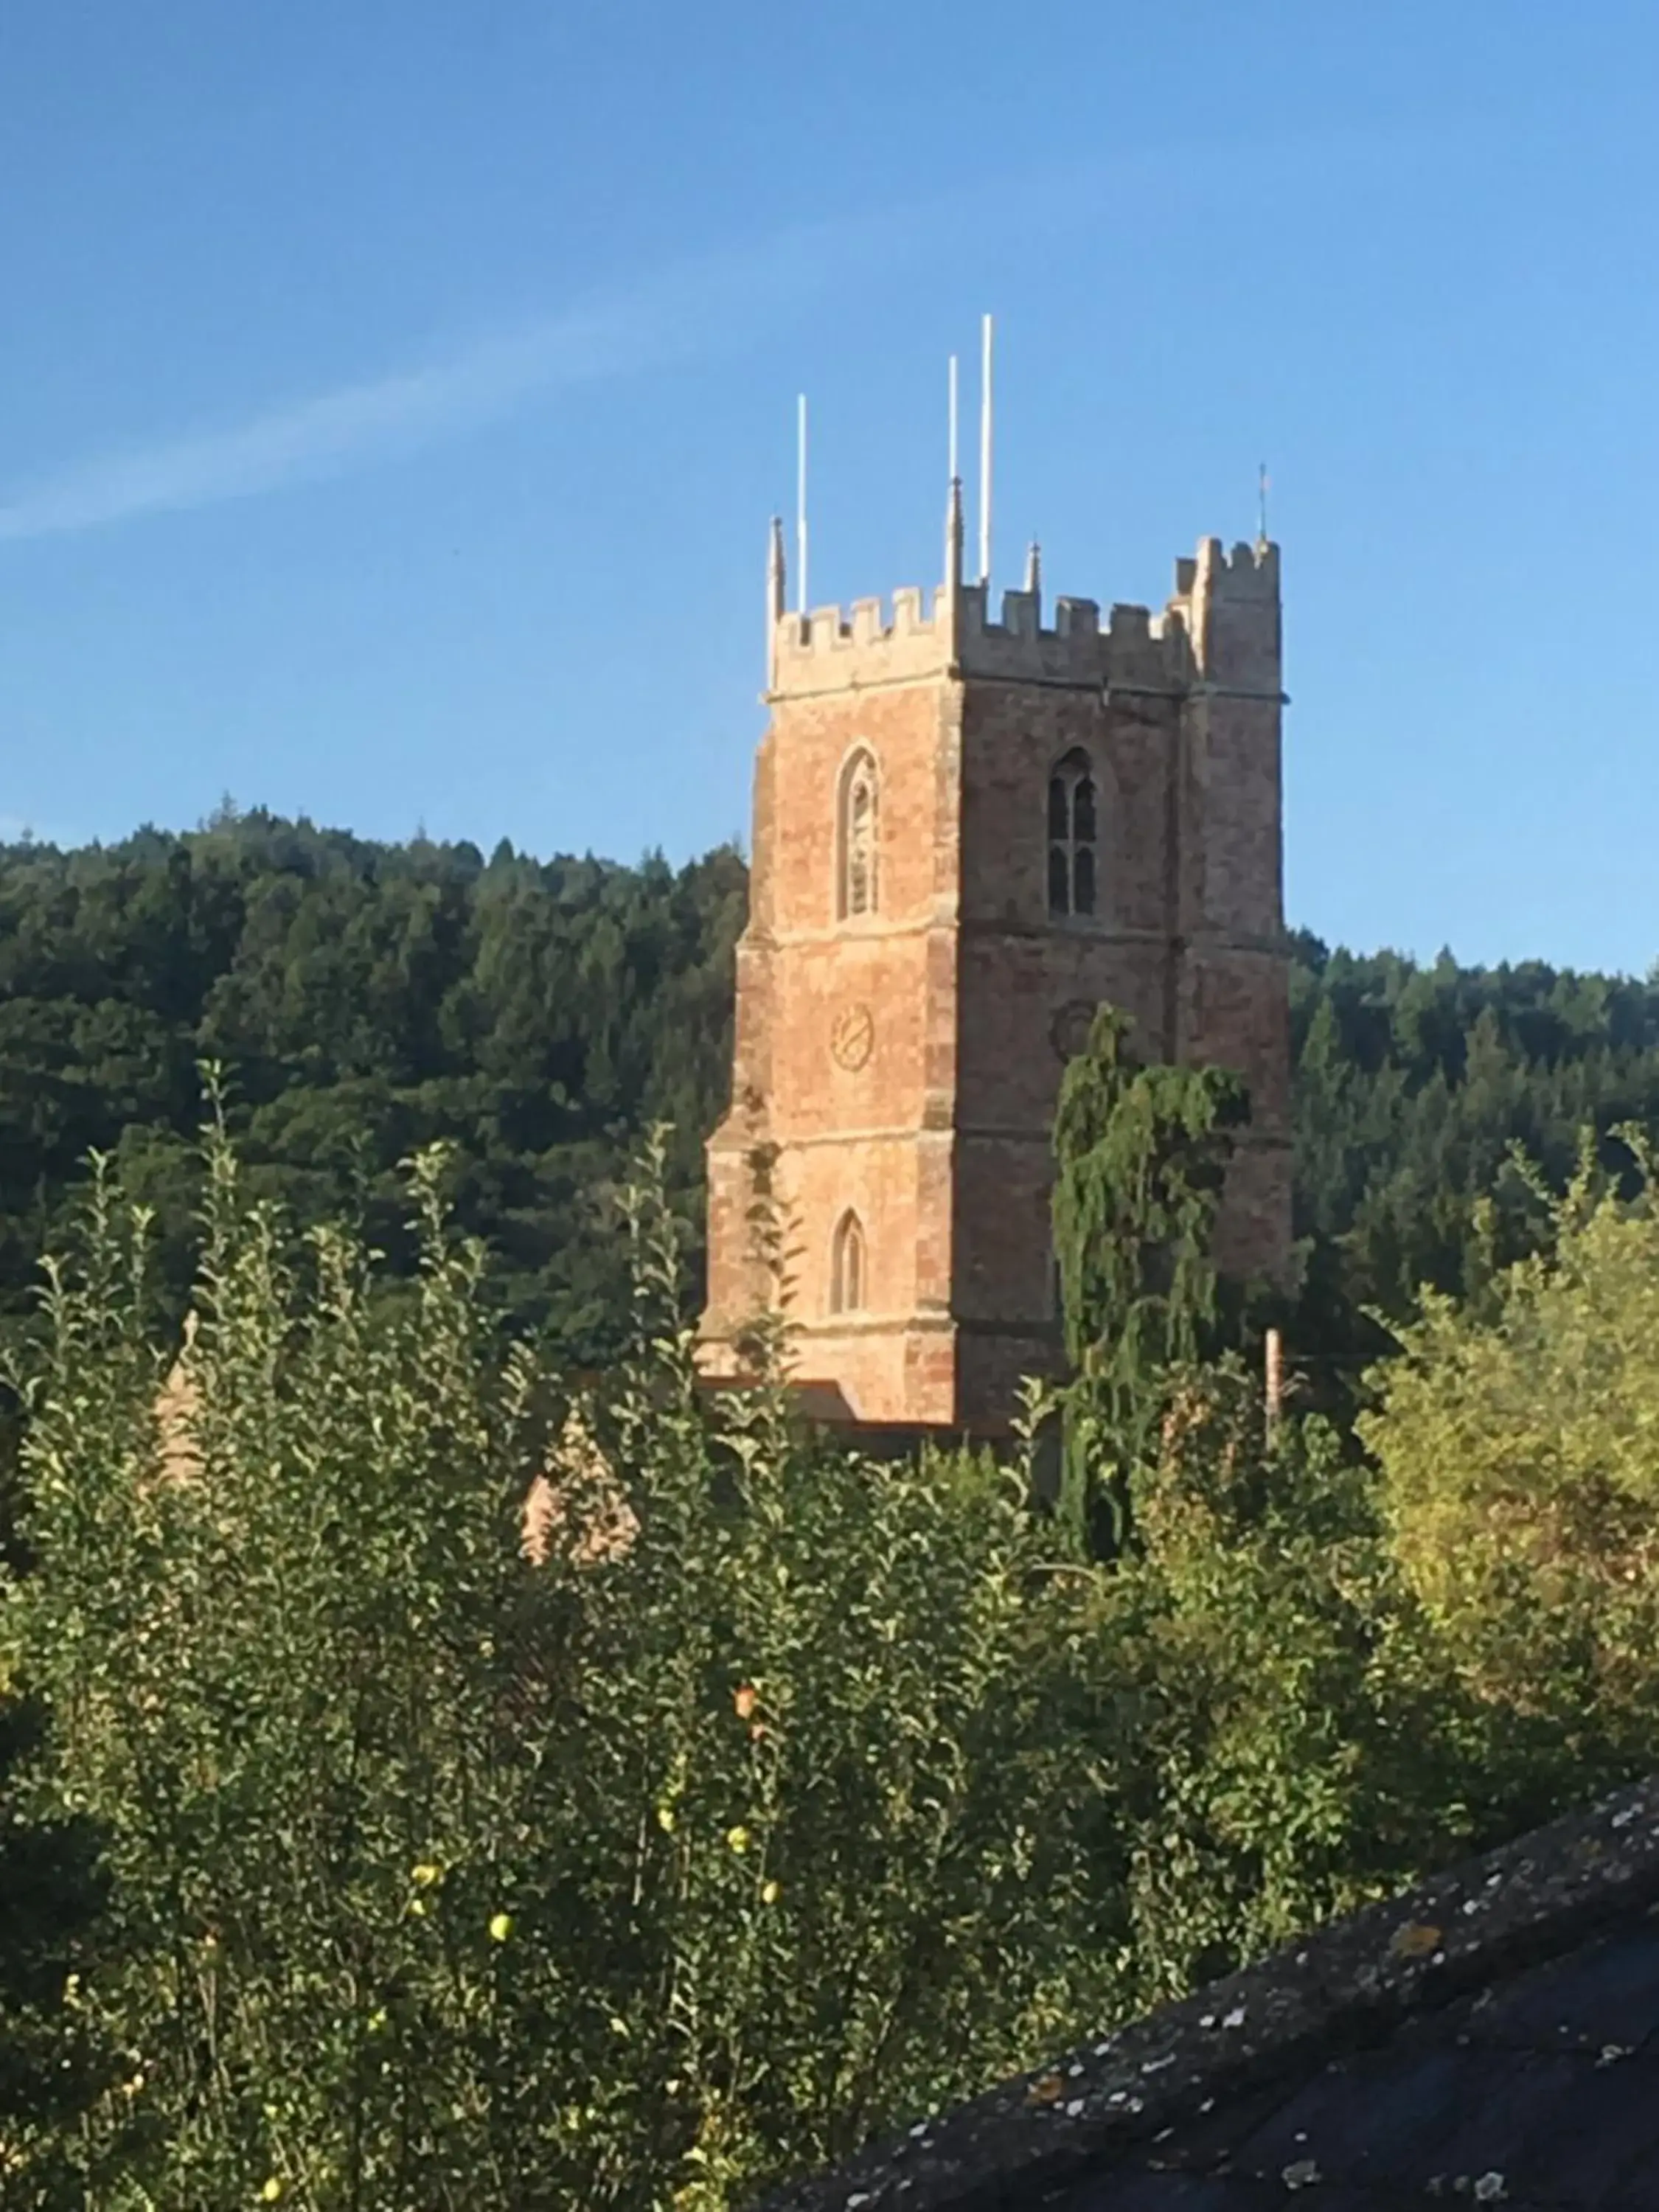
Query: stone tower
[{"x": 967, "y": 834}]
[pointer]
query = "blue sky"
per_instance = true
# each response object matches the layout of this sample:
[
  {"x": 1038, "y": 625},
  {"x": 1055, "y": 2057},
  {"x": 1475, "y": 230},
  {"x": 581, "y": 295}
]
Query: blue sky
[{"x": 393, "y": 398}]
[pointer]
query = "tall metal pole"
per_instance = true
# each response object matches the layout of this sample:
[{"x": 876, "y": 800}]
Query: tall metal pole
[
  {"x": 985, "y": 453},
  {"x": 800, "y": 504}
]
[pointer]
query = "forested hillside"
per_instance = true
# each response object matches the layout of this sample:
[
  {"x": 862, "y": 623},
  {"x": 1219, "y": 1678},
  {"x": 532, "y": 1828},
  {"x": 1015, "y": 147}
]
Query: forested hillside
[
  {"x": 365, "y": 999},
  {"x": 1412, "y": 1084}
]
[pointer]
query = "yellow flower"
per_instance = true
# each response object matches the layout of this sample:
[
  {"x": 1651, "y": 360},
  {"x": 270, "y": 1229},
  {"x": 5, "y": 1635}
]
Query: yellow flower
[
  {"x": 768, "y": 1892},
  {"x": 738, "y": 1838},
  {"x": 500, "y": 1928},
  {"x": 425, "y": 1874},
  {"x": 272, "y": 2191},
  {"x": 417, "y": 1906},
  {"x": 666, "y": 1818}
]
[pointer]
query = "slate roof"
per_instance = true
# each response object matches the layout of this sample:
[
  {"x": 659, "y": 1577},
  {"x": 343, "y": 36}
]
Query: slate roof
[{"x": 1491, "y": 2037}]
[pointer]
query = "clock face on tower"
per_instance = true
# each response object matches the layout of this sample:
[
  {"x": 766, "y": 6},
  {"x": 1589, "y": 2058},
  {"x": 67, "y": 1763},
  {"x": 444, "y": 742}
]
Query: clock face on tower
[{"x": 852, "y": 1038}]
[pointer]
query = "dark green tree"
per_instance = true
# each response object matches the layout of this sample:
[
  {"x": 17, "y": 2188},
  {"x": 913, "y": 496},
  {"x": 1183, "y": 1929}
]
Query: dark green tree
[
  {"x": 536, "y": 1017},
  {"x": 1410, "y": 1084},
  {"x": 1141, "y": 1156},
  {"x": 365, "y": 1000}
]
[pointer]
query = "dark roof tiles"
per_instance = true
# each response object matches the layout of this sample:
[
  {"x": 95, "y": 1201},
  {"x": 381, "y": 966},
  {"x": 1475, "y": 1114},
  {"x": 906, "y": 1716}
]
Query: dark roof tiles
[{"x": 1493, "y": 2038}]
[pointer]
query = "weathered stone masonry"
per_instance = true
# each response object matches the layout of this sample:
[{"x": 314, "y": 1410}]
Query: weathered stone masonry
[{"x": 934, "y": 790}]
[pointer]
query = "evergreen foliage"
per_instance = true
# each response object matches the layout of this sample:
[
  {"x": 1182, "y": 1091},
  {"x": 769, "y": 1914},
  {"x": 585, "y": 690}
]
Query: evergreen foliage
[
  {"x": 1141, "y": 1157},
  {"x": 1412, "y": 1085},
  {"x": 367, "y": 998},
  {"x": 1141, "y": 1154},
  {"x": 364, "y": 1000}
]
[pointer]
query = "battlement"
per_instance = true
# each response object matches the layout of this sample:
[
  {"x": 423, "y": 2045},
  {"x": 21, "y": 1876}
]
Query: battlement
[
  {"x": 1248, "y": 571},
  {"x": 831, "y": 647},
  {"x": 1230, "y": 600},
  {"x": 1132, "y": 646},
  {"x": 1228, "y": 604}
]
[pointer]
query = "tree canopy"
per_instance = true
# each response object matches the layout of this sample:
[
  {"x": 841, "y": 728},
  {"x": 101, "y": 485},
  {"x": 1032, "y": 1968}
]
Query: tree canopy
[
  {"x": 366, "y": 998},
  {"x": 366, "y": 1851},
  {"x": 1412, "y": 1084},
  {"x": 752, "y": 1798}
]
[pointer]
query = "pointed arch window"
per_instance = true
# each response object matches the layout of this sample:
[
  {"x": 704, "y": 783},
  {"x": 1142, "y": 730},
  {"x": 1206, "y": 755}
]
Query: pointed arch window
[
  {"x": 849, "y": 1266},
  {"x": 1074, "y": 887},
  {"x": 858, "y": 882}
]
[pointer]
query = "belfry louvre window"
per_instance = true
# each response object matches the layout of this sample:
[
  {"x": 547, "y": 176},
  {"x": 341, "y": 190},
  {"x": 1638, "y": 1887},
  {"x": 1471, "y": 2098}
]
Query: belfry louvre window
[
  {"x": 858, "y": 885},
  {"x": 1071, "y": 837},
  {"x": 848, "y": 1285}
]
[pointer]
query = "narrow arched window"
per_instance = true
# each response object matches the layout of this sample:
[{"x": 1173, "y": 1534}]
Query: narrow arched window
[
  {"x": 858, "y": 885},
  {"x": 848, "y": 1283},
  {"x": 1060, "y": 880},
  {"x": 1072, "y": 884},
  {"x": 1083, "y": 878}
]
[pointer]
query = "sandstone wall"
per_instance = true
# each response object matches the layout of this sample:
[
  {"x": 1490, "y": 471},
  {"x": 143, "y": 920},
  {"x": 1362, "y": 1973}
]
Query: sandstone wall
[{"x": 905, "y": 1065}]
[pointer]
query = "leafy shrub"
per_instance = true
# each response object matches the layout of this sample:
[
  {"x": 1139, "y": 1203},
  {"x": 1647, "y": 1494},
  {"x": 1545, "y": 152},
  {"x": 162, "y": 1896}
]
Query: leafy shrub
[
  {"x": 1518, "y": 1443},
  {"x": 511, "y": 1799},
  {"x": 444, "y": 1876}
]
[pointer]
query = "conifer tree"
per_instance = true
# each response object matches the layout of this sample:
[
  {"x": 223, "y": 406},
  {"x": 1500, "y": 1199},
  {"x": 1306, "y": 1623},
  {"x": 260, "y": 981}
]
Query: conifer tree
[{"x": 1141, "y": 1154}]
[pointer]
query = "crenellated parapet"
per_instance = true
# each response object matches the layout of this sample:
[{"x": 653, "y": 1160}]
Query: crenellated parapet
[
  {"x": 1228, "y": 604},
  {"x": 1076, "y": 652},
  {"x": 833, "y": 649},
  {"x": 1221, "y": 626}
]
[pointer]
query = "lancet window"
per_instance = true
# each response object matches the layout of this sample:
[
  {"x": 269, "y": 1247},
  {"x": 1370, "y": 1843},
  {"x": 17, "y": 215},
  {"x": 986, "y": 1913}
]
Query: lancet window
[
  {"x": 1072, "y": 838},
  {"x": 859, "y": 886},
  {"x": 849, "y": 1283}
]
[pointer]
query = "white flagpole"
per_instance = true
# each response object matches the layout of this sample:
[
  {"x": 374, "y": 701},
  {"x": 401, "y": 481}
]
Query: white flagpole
[
  {"x": 800, "y": 504},
  {"x": 985, "y": 454}
]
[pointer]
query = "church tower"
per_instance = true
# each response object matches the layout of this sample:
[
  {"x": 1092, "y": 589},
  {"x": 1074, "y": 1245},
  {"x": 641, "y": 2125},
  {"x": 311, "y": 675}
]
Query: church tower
[{"x": 967, "y": 833}]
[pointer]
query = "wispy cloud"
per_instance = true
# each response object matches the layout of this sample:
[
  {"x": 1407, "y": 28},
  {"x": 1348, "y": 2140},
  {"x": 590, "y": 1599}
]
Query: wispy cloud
[
  {"x": 689, "y": 308},
  {"x": 684, "y": 309}
]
